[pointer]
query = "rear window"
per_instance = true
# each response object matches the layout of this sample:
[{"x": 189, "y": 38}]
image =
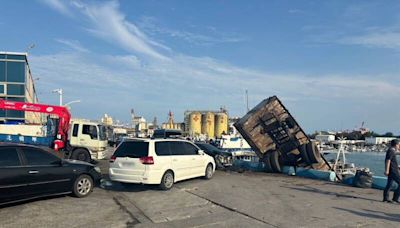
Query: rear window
[{"x": 132, "y": 149}]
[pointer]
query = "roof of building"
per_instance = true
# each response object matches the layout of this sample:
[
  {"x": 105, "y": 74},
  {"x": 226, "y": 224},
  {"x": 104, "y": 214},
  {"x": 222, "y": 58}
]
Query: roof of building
[{"x": 13, "y": 53}]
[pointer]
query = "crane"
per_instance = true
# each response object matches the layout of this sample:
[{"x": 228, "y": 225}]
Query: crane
[{"x": 60, "y": 111}]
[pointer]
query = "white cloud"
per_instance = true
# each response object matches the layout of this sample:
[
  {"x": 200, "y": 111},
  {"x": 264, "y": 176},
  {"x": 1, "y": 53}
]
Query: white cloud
[
  {"x": 380, "y": 39},
  {"x": 73, "y": 44},
  {"x": 189, "y": 82},
  {"x": 295, "y": 11},
  {"x": 110, "y": 24},
  {"x": 150, "y": 25},
  {"x": 58, "y": 5}
]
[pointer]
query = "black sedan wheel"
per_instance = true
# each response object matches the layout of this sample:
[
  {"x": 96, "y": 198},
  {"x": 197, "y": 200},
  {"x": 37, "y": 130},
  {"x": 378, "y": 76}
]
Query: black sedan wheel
[{"x": 83, "y": 186}]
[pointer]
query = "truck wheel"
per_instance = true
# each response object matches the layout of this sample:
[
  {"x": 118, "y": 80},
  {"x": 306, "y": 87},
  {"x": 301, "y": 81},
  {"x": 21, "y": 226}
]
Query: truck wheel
[
  {"x": 274, "y": 160},
  {"x": 304, "y": 154},
  {"x": 313, "y": 152},
  {"x": 167, "y": 181},
  {"x": 81, "y": 155},
  {"x": 83, "y": 186},
  {"x": 267, "y": 163}
]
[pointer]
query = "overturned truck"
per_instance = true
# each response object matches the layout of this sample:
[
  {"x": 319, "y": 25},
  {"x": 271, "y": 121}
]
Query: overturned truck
[{"x": 277, "y": 138}]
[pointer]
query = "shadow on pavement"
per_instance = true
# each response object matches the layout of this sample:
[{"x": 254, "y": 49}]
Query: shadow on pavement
[
  {"x": 109, "y": 185},
  {"x": 319, "y": 191},
  {"x": 37, "y": 199},
  {"x": 373, "y": 214}
]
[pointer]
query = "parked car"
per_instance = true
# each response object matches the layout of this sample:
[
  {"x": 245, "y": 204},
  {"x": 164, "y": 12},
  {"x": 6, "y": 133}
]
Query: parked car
[
  {"x": 159, "y": 161},
  {"x": 222, "y": 158},
  {"x": 29, "y": 172}
]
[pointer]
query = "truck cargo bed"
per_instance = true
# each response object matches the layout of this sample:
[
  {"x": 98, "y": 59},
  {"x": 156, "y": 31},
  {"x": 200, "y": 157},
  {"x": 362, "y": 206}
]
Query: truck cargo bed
[
  {"x": 269, "y": 128},
  {"x": 32, "y": 140}
]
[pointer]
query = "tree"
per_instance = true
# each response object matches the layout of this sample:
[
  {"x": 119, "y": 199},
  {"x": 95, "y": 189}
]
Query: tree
[{"x": 388, "y": 134}]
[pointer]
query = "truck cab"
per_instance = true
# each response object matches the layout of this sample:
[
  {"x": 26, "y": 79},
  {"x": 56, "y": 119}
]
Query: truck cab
[{"x": 88, "y": 135}]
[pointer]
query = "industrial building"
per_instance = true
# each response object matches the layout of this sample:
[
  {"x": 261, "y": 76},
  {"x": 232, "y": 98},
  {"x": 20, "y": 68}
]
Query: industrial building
[
  {"x": 139, "y": 124},
  {"x": 378, "y": 140},
  {"x": 107, "y": 120},
  {"x": 171, "y": 125},
  {"x": 17, "y": 84},
  {"x": 212, "y": 124},
  {"x": 325, "y": 138}
]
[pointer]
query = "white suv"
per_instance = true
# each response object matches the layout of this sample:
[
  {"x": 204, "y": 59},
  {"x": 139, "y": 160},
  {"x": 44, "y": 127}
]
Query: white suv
[{"x": 159, "y": 161}]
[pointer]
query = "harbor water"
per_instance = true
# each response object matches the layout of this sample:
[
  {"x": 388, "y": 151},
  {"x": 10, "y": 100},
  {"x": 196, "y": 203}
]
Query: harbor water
[{"x": 375, "y": 161}]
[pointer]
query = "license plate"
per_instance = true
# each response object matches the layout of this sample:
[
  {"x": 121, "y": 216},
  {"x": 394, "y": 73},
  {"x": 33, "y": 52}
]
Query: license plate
[{"x": 128, "y": 164}]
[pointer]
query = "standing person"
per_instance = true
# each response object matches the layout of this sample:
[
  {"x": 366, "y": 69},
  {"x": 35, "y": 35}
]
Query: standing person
[{"x": 392, "y": 171}]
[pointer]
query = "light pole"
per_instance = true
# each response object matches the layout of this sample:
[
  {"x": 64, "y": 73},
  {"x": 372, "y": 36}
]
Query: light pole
[
  {"x": 71, "y": 102},
  {"x": 60, "y": 93}
]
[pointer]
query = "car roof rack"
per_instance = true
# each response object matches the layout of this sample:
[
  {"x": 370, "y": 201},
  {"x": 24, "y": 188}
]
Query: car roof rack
[{"x": 166, "y": 133}]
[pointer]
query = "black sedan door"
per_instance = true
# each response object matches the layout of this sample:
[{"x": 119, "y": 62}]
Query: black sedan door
[
  {"x": 13, "y": 179},
  {"x": 47, "y": 173}
]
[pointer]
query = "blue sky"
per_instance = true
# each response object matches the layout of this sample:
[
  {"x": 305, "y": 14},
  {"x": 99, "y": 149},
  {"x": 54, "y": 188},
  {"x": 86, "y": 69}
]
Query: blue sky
[{"x": 334, "y": 64}]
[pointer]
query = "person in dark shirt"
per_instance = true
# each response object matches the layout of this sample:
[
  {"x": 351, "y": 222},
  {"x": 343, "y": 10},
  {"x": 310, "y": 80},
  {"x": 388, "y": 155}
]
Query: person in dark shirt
[{"x": 392, "y": 172}]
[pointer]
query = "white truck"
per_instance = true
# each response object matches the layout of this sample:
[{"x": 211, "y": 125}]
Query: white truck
[{"x": 116, "y": 135}]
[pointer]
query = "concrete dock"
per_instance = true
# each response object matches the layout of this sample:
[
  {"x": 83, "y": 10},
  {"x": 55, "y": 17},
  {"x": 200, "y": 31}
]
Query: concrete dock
[{"x": 230, "y": 199}]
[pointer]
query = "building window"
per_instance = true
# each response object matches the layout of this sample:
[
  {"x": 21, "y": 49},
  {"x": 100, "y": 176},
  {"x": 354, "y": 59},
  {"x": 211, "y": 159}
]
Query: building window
[
  {"x": 2, "y": 89},
  {"x": 16, "y": 57},
  {"x": 2, "y": 56},
  {"x": 15, "y": 114},
  {"x": 14, "y": 89},
  {"x": 2, "y": 71},
  {"x": 15, "y": 72},
  {"x": 20, "y": 99}
]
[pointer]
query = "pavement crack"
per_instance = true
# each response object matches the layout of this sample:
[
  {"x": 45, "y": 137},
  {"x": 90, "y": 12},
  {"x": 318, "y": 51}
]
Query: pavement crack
[
  {"x": 230, "y": 209},
  {"x": 125, "y": 209}
]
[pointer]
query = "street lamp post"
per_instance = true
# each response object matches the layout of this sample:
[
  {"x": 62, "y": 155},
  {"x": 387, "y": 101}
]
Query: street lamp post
[
  {"x": 71, "y": 102},
  {"x": 60, "y": 93}
]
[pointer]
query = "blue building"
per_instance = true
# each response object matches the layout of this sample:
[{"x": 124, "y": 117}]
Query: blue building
[{"x": 17, "y": 84}]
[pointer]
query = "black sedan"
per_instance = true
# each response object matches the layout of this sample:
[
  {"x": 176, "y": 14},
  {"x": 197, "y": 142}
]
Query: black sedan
[
  {"x": 29, "y": 172},
  {"x": 222, "y": 158}
]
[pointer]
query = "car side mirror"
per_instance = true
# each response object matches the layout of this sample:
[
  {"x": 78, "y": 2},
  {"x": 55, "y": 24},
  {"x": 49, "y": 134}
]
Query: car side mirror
[{"x": 201, "y": 152}]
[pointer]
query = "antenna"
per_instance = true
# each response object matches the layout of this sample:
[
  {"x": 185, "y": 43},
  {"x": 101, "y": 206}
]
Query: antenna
[
  {"x": 247, "y": 101},
  {"x": 29, "y": 48}
]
